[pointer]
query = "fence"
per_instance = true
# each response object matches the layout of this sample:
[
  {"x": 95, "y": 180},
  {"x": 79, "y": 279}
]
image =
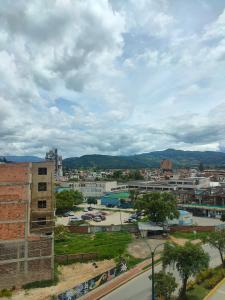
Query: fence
[
  {"x": 102, "y": 228},
  {"x": 192, "y": 228},
  {"x": 87, "y": 286},
  {"x": 81, "y": 257}
]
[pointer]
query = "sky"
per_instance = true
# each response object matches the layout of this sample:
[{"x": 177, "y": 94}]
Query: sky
[{"x": 115, "y": 77}]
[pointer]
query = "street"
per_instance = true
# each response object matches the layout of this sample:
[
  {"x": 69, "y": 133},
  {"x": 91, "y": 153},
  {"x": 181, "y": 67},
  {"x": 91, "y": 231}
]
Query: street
[{"x": 139, "y": 288}]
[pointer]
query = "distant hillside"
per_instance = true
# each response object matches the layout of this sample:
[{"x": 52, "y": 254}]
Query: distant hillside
[
  {"x": 179, "y": 158},
  {"x": 22, "y": 158}
]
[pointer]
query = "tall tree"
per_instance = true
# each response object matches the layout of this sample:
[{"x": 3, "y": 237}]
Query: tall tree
[
  {"x": 66, "y": 200},
  {"x": 158, "y": 207},
  {"x": 165, "y": 285},
  {"x": 133, "y": 196},
  {"x": 217, "y": 240},
  {"x": 189, "y": 260}
]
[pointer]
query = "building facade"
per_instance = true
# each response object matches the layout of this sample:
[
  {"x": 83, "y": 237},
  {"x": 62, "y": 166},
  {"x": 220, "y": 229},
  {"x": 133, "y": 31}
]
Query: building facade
[
  {"x": 26, "y": 223},
  {"x": 92, "y": 188}
]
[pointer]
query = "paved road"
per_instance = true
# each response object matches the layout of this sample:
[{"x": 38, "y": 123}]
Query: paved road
[
  {"x": 139, "y": 288},
  {"x": 219, "y": 293}
]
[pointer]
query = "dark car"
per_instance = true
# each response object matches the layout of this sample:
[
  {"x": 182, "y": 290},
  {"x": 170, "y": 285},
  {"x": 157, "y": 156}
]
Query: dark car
[
  {"x": 86, "y": 217},
  {"x": 90, "y": 208},
  {"x": 68, "y": 214}
]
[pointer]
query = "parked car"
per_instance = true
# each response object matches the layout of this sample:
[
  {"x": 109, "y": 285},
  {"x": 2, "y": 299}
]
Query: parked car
[
  {"x": 86, "y": 209},
  {"x": 86, "y": 217},
  {"x": 101, "y": 216},
  {"x": 97, "y": 219},
  {"x": 90, "y": 208},
  {"x": 68, "y": 214},
  {"x": 75, "y": 219},
  {"x": 104, "y": 213}
]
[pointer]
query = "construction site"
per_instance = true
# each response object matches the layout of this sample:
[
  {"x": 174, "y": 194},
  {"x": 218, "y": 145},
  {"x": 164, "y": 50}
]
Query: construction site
[{"x": 26, "y": 223}]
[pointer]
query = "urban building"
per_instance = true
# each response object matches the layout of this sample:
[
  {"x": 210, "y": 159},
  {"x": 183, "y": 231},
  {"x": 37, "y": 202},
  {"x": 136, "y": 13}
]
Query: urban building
[
  {"x": 166, "y": 165},
  {"x": 52, "y": 155},
  {"x": 90, "y": 188},
  {"x": 26, "y": 223}
]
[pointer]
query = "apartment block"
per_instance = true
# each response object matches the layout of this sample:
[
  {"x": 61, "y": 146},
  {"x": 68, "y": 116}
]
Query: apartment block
[{"x": 26, "y": 223}]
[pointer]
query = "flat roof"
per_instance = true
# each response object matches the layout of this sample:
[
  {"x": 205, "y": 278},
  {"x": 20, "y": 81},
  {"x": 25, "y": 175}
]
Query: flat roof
[{"x": 148, "y": 226}]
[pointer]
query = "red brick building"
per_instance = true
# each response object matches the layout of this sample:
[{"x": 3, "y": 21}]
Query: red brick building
[{"x": 26, "y": 223}]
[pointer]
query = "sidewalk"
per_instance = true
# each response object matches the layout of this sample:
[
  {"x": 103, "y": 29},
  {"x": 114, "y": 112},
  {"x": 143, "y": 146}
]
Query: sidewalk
[
  {"x": 218, "y": 293},
  {"x": 107, "y": 288}
]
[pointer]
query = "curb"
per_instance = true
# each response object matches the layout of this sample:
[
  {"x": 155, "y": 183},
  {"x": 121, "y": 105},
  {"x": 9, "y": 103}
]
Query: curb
[
  {"x": 214, "y": 289},
  {"x": 124, "y": 282}
]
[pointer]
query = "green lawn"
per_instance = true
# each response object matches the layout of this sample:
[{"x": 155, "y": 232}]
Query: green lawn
[
  {"x": 189, "y": 235},
  {"x": 106, "y": 244}
]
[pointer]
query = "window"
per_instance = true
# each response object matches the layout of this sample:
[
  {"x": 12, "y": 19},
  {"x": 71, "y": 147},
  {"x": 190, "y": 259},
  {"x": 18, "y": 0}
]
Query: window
[
  {"x": 42, "y": 186},
  {"x": 42, "y": 171},
  {"x": 42, "y": 204},
  {"x": 41, "y": 221}
]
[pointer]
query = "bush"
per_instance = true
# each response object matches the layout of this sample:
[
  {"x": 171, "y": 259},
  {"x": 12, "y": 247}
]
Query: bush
[
  {"x": 204, "y": 275},
  {"x": 191, "y": 285},
  {"x": 6, "y": 293},
  {"x": 210, "y": 283}
]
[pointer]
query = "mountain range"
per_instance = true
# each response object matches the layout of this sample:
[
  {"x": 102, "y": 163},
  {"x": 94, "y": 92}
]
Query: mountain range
[{"x": 180, "y": 158}]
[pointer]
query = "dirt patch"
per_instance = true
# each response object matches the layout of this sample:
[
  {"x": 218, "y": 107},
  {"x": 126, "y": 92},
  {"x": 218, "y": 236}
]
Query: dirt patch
[
  {"x": 181, "y": 242},
  {"x": 140, "y": 248},
  {"x": 70, "y": 276}
]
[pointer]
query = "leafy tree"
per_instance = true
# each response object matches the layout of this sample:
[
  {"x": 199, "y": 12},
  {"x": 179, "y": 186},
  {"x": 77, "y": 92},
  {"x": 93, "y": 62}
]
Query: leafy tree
[
  {"x": 92, "y": 200},
  {"x": 133, "y": 196},
  {"x": 66, "y": 200},
  {"x": 165, "y": 285},
  {"x": 135, "y": 175},
  {"x": 158, "y": 206},
  {"x": 61, "y": 232},
  {"x": 217, "y": 240},
  {"x": 189, "y": 260},
  {"x": 222, "y": 218}
]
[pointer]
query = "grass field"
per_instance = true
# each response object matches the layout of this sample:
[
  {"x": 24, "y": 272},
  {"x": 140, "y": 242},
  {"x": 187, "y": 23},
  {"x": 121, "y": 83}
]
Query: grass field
[
  {"x": 198, "y": 293},
  {"x": 106, "y": 244},
  {"x": 189, "y": 235}
]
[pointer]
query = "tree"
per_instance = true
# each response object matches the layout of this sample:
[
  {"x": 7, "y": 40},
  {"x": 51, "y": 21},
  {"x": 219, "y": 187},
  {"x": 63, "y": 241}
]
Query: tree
[
  {"x": 165, "y": 285},
  {"x": 158, "y": 206},
  {"x": 133, "y": 196},
  {"x": 92, "y": 200},
  {"x": 217, "y": 240},
  {"x": 61, "y": 232},
  {"x": 222, "y": 218},
  {"x": 66, "y": 200},
  {"x": 189, "y": 260}
]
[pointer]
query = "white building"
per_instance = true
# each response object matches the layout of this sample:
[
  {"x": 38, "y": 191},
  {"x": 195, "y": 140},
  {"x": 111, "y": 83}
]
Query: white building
[{"x": 93, "y": 188}]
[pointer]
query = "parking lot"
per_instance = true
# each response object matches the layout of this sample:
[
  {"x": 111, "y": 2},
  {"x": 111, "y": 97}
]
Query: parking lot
[{"x": 112, "y": 217}]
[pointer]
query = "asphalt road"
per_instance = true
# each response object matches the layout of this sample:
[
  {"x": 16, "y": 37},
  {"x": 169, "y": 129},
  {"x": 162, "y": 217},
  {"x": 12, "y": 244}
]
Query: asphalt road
[{"x": 139, "y": 288}]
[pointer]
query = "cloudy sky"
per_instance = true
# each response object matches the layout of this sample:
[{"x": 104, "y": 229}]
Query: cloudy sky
[{"x": 111, "y": 77}]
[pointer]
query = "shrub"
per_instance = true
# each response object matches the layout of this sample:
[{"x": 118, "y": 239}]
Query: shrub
[
  {"x": 204, "y": 275},
  {"x": 190, "y": 285},
  {"x": 6, "y": 293},
  {"x": 210, "y": 283}
]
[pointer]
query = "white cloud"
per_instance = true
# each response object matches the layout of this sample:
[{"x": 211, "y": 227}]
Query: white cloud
[{"x": 113, "y": 77}]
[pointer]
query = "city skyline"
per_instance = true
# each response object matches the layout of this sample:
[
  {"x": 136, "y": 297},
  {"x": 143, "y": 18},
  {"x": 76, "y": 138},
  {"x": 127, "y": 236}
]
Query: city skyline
[{"x": 111, "y": 77}]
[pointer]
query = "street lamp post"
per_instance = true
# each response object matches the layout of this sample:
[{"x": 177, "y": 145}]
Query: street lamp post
[{"x": 153, "y": 251}]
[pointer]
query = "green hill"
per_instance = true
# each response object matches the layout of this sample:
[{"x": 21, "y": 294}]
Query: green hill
[{"x": 179, "y": 158}]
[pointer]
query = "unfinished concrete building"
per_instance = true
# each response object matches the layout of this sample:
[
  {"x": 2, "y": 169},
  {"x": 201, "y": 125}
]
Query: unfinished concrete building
[{"x": 26, "y": 223}]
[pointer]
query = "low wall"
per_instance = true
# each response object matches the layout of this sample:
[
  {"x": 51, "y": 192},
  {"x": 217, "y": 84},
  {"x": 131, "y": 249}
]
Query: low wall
[
  {"x": 81, "y": 257},
  {"x": 87, "y": 286},
  {"x": 192, "y": 228},
  {"x": 102, "y": 228}
]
